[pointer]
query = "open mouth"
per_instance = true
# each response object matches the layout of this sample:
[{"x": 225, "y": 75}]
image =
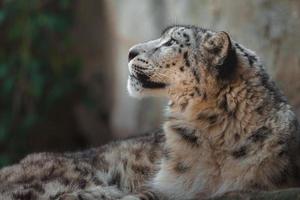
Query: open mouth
[{"x": 146, "y": 83}]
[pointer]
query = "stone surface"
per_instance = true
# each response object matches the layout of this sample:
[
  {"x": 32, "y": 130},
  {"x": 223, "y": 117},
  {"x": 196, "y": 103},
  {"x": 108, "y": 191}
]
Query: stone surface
[{"x": 286, "y": 194}]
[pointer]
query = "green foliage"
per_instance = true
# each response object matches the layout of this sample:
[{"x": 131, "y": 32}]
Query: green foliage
[{"x": 37, "y": 67}]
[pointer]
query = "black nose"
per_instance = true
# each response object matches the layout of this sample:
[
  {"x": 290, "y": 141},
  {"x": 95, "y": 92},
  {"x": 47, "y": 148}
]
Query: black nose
[{"x": 132, "y": 54}]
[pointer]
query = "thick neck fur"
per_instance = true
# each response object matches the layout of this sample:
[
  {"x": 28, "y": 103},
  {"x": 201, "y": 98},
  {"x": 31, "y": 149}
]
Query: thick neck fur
[
  {"x": 228, "y": 112},
  {"x": 217, "y": 128}
]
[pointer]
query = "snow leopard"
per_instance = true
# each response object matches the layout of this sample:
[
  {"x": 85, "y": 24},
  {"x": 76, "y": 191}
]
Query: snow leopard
[{"x": 227, "y": 128}]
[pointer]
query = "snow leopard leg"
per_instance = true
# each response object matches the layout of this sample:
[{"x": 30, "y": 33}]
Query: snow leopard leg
[
  {"x": 145, "y": 195},
  {"x": 94, "y": 193}
]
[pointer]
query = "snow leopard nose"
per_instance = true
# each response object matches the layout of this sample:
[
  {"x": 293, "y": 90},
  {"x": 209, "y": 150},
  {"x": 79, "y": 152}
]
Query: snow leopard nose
[{"x": 132, "y": 54}]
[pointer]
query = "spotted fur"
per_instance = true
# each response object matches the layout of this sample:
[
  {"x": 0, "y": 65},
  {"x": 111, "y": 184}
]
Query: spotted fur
[
  {"x": 108, "y": 172},
  {"x": 227, "y": 128}
]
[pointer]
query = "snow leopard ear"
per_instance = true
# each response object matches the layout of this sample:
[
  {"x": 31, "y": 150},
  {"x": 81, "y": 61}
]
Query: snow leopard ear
[
  {"x": 216, "y": 48},
  {"x": 218, "y": 54}
]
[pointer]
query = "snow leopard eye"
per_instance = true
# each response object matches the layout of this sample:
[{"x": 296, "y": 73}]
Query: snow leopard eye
[{"x": 170, "y": 42}]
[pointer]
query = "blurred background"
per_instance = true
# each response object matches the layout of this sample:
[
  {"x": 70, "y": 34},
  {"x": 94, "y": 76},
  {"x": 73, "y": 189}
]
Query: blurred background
[{"x": 63, "y": 64}]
